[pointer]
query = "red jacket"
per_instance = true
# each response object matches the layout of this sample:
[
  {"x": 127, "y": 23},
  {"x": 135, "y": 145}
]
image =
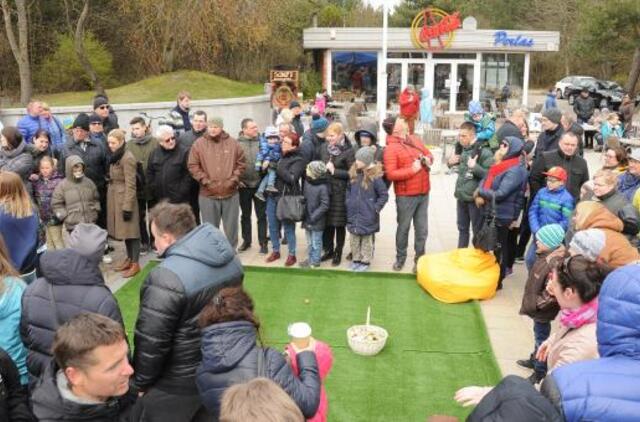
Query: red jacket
[
  {"x": 399, "y": 156},
  {"x": 409, "y": 103}
]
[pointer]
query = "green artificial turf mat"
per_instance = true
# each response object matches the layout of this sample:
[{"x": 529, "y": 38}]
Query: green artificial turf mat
[{"x": 433, "y": 348}]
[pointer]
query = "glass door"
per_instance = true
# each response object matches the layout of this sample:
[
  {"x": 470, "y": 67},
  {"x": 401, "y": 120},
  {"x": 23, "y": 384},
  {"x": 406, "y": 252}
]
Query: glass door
[
  {"x": 415, "y": 75},
  {"x": 464, "y": 92},
  {"x": 442, "y": 79},
  {"x": 394, "y": 83}
]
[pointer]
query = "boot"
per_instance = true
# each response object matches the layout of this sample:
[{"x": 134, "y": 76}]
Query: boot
[
  {"x": 337, "y": 258},
  {"x": 133, "y": 270},
  {"x": 124, "y": 265},
  {"x": 326, "y": 256}
]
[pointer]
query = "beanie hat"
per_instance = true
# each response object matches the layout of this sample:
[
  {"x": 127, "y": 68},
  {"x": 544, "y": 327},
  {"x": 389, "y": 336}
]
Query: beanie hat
[
  {"x": 81, "y": 121},
  {"x": 216, "y": 121},
  {"x": 475, "y": 108},
  {"x": 388, "y": 124},
  {"x": 88, "y": 240},
  {"x": 553, "y": 114},
  {"x": 551, "y": 235},
  {"x": 319, "y": 125},
  {"x": 94, "y": 118},
  {"x": 366, "y": 155},
  {"x": 271, "y": 132},
  {"x": 99, "y": 101},
  {"x": 316, "y": 169},
  {"x": 588, "y": 243}
]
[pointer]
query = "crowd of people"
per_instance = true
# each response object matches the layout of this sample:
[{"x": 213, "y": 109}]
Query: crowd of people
[{"x": 197, "y": 333}]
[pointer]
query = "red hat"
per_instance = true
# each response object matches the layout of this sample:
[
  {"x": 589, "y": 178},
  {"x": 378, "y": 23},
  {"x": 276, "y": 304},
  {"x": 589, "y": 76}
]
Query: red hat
[{"x": 557, "y": 172}]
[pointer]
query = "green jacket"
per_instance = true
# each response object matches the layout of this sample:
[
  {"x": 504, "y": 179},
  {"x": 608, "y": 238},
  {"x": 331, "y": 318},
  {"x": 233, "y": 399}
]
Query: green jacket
[
  {"x": 468, "y": 180},
  {"x": 141, "y": 149}
]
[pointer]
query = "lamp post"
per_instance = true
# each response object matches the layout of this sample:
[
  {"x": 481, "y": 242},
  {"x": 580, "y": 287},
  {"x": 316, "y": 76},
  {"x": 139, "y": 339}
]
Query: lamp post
[{"x": 382, "y": 100}]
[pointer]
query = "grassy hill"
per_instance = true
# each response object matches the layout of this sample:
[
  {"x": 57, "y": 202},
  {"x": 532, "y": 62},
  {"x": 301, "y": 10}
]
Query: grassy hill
[{"x": 164, "y": 87}]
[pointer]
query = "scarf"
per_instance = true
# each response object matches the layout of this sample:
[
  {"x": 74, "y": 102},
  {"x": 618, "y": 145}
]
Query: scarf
[
  {"x": 498, "y": 169},
  {"x": 576, "y": 318},
  {"x": 117, "y": 154}
]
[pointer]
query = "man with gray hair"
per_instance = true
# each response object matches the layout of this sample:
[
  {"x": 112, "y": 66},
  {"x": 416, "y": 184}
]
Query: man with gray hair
[
  {"x": 167, "y": 174},
  {"x": 217, "y": 162}
]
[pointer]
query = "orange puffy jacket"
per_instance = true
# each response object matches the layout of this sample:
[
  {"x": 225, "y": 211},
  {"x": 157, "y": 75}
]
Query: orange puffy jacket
[{"x": 399, "y": 156}]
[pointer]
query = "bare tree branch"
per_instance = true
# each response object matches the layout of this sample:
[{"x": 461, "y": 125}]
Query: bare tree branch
[{"x": 82, "y": 54}]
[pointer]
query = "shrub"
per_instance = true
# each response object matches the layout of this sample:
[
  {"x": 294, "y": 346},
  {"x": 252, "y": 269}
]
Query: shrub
[
  {"x": 62, "y": 71},
  {"x": 311, "y": 82}
]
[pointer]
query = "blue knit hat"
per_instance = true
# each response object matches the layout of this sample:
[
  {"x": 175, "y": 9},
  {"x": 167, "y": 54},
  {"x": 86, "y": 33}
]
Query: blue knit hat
[
  {"x": 319, "y": 125},
  {"x": 475, "y": 108},
  {"x": 551, "y": 235}
]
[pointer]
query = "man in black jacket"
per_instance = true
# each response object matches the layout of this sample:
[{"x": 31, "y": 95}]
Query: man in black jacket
[
  {"x": 198, "y": 129},
  {"x": 71, "y": 283},
  {"x": 584, "y": 106},
  {"x": 89, "y": 378},
  {"x": 294, "y": 106},
  {"x": 198, "y": 261},
  {"x": 566, "y": 157},
  {"x": 94, "y": 156},
  {"x": 552, "y": 132},
  {"x": 167, "y": 174}
]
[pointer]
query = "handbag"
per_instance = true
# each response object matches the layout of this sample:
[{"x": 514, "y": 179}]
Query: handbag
[
  {"x": 487, "y": 237},
  {"x": 290, "y": 207}
]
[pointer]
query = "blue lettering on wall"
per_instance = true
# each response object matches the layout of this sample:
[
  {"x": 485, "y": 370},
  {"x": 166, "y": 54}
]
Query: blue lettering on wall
[{"x": 502, "y": 38}]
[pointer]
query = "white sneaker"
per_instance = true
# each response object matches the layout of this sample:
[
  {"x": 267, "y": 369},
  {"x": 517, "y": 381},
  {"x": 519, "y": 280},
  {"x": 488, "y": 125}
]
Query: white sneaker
[{"x": 106, "y": 259}]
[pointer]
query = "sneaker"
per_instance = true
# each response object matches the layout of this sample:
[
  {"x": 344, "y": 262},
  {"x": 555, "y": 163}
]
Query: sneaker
[
  {"x": 291, "y": 260},
  {"x": 304, "y": 264},
  {"x": 519, "y": 259},
  {"x": 260, "y": 196},
  {"x": 362, "y": 268},
  {"x": 315, "y": 265},
  {"x": 273, "y": 257},
  {"x": 354, "y": 265},
  {"x": 263, "y": 249},
  {"x": 326, "y": 256},
  {"x": 144, "y": 249},
  {"x": 525, "y": 363},
  {"x": 271, "y": 189},
  {"x": 397, "y": 266},
  {"x": 106, "y": 259},
  {"x": 244, "y": 246}
]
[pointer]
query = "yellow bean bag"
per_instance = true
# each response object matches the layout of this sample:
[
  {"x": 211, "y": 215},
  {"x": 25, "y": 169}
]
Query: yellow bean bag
[{"x": 459, "y": 275}]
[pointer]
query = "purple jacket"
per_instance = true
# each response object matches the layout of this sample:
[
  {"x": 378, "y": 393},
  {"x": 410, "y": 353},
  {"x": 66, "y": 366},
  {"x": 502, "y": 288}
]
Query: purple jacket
[{"x": 42, "y": 193}]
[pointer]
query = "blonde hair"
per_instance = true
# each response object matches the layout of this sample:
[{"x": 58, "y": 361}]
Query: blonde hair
[
  {"x": 335, "y": 127},
  {"x": 258, "y": 400},
  {"x": 118, "y": 134},
  {"x": 286, "y": 115},
  {"x": 14, "y": 198},
  {"x": 370, "y": 173},
  {"x": 45, "y": 106},
  {"x": 609, "y": 177},
  {"x": 584, "y": 209},
  {"x": 183, "y": 94}
]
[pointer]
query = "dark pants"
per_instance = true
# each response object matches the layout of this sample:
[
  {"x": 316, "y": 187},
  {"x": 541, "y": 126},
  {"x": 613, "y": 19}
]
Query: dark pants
[
  {"x": 247, "y": 197},
  {"x": 505, "y": 253},
  {"x": 468, "y": 215},
  {"x": 525, "y": 230},
  {"x": 541, "y": 331},
  {"x": 145, "y": 232},
  {"x": 102, "y": 215},
  {"x": 159, "y": 406},
  {"x": 330, "y": 233}
]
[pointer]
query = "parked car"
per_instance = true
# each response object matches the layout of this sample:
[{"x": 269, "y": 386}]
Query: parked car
[
  {"x": 606, "y": 94},
  {"x": 572, "y": 80}
]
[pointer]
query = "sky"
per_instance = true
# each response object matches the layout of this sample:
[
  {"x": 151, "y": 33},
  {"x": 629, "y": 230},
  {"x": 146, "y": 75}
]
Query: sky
[{"x": 377, "y": 3}]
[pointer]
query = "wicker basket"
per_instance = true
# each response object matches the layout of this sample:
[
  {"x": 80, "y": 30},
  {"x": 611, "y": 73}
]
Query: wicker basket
[{"x": 367, "y": 340}]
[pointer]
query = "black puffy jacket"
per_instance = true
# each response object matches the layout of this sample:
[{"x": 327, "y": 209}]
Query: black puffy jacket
[
  {"x": 14, "y": 405},
  {"x": 168, "y": 176},
  {"x": 230, "y": 356},
  {"x": 167, "y": 336},
  {"x": 289, "y": 171},
  {"x": 49, "y": 406},
  {"x": 77, "y": 285},
  {"x": 337, "y": 215}
]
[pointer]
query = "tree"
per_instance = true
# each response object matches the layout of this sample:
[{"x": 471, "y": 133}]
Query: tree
[
  {"x": 19, "y": 48},
  {"x": 78, "y": 38}
]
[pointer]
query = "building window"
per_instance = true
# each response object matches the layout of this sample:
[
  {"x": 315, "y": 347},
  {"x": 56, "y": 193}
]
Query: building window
[
  {"x": 501, "y": 80},
  {"x": 354, "y": 75}
]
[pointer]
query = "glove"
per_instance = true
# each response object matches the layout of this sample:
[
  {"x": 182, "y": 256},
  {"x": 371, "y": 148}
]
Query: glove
[
  {"x": 127, "y": 215},
  {"x": 470, "y": 396}
]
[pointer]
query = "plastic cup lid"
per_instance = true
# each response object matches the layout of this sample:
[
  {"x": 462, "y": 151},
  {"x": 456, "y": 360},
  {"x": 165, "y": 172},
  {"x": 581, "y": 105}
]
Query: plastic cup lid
[{"x": 299, "y": 330}]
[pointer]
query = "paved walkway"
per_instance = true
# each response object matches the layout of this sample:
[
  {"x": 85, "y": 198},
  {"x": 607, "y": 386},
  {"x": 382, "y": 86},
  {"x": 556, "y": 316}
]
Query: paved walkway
[{"x": 511, "y": 334}]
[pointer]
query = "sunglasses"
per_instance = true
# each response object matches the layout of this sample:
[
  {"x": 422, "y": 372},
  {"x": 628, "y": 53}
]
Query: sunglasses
[
  {"x": 102, "y": 107},
  {"x": 96, "y": 123}
]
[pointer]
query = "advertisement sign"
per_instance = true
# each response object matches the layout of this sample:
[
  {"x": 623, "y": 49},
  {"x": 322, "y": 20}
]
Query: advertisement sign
[{"x": 434, "y": 29}]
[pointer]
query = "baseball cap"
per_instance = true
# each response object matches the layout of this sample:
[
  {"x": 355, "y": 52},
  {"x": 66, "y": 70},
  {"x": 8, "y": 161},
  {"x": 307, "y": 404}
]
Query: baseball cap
[{"x": 557, "y": 172}]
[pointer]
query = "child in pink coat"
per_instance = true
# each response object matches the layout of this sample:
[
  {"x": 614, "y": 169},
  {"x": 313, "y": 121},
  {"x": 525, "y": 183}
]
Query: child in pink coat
[{"x": 324, "y": 356}]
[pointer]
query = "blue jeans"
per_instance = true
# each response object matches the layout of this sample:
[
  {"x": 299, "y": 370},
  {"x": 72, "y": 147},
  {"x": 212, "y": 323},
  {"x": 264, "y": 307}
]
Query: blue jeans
[
  {"x": 530, "y": 255},
  {"x": 314, "y": 244},
  {"x": 274, "y": 228},
  {"x": 268, "y": 180},
  {"x": 541, "y": 331},
  {"x": 468, "y": 215}
]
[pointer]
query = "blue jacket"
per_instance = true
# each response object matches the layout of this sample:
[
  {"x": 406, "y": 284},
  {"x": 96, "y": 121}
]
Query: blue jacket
[
  {"x": 550, "y": 101},
  {"x": 426, "y": 107},
  {"x": 230, "y": 356},
  {"x": 628, "y": 184},
  {"x": 607, "y": 389},
  {"x": 10, "y": 311},
  {"x": 316, "y": 196},
  {"x": 21, "y": 237},
  {"x": 508, "y": 187},
  {"x": 485, "y": 127},
  {"x": 549, "y": 207},
  {"x": 606, "y": 130},
  {"x": 364, "y": 205},
  {"x": 29, "y": 125},
  {"x": 56, "y": 132},
  {"x": 268, "y": 152}
]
